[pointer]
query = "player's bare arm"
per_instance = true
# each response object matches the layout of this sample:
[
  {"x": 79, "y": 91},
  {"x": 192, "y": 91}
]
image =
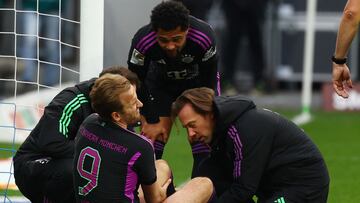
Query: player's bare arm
[{"x": 347, "y": 31}]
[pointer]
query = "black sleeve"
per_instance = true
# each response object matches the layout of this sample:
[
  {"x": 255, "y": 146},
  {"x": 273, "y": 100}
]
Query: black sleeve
[
  {"x": 208, "y": 73},
  {"x": 137, "y": 61},
  {"x": 59, "y": 124},
  {"x": 139, "y": 64},
  {"x": 145, "y": 165},
  {"x": 209, "y": 64},
  {"x": 252, "y": 146}
]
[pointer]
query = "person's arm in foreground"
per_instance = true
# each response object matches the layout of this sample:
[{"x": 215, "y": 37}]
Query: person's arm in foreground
[
  {"x": 347, "y": 31},
  {"x": 156, "y": 192}
]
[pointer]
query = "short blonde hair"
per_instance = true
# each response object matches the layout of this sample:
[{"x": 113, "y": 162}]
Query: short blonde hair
[{"x": 105, "y": 94}]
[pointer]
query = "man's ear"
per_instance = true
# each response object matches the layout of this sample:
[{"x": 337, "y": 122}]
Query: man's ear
[{"x": 116, "y": 116}]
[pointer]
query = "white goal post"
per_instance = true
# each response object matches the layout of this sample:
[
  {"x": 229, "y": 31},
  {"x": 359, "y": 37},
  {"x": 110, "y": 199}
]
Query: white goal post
[
  {"x": 21, "y": 110},
  {"x": 308, "y": 62},
  {"x": 91, "y": 38}
]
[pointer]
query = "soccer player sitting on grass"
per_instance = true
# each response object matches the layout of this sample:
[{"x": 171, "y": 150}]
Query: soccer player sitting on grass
[
  {"x": 111, "y": 161},
  {"x": 43, "y": 164},
  {"x": 254, "y": 151}
]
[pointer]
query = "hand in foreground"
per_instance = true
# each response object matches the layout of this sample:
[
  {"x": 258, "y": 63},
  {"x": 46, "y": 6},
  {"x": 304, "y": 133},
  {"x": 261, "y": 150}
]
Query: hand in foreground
[{"x": 341, "y": 79}]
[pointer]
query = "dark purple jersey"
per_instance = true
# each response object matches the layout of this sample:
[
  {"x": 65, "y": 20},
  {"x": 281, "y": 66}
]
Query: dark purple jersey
[
  {"x": 196, "y": 65},
  {"x": 110, "y": 162}
]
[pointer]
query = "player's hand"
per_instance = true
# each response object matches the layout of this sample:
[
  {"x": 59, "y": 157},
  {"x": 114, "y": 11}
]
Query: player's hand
[
  {"x": 157, "y": 131},
  {"x": 164, "y": 188},
  {"x": 166, "y": 185},
  {"x": 166, "y": 124},
  {"x": 151, "y": 131},
  {"x": 341, "y": 79}
]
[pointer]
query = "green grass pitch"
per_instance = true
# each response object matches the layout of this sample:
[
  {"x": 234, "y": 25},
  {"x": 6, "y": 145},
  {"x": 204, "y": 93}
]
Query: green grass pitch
[{"x": 337, "y": 134}]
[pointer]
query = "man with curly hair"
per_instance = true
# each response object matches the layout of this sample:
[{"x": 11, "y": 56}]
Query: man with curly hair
[{"x": 173, "y": 53}]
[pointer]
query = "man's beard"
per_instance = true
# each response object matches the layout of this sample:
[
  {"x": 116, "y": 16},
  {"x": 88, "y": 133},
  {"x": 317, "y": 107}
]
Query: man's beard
[
  {"x": 132, "y": 119},
  {"x": 171, "y": 55}
]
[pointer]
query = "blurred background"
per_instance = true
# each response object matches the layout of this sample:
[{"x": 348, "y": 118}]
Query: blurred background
[
  {"x": 260, "y": 43},
  {"x": 261, "y": 47}
]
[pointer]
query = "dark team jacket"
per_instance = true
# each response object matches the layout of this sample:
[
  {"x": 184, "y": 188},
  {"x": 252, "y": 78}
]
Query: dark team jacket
[
  {"x": 54, "y": 134},
  {"x": 196, "y": 67},
  {"x": 262, "y": 151},
  {"x": 110, "y": 162}
]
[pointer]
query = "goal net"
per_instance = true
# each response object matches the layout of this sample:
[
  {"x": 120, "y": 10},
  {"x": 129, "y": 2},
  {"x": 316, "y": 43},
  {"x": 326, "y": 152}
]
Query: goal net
[{"x": 39, "y": 55}]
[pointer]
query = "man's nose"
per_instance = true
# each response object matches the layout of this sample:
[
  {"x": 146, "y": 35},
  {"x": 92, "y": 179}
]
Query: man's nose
[
  {"x": 191, "y": 133},
  {"x": 170, "y": 46},
  {"x": 139, "y": 104}
]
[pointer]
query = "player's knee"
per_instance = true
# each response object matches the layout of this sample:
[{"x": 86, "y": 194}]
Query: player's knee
[
  {"x": 204, "y": 183},
  {"x": 162, "y": 165}
]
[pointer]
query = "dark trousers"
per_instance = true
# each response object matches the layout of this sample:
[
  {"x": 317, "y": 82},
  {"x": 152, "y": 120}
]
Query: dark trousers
[
  {"x": 198, "y": 8},
  {"x": 287, "y": 184},
  {"x": 243, "y": 23},
  {"x": 45, "y": 180},
  {"x": 296, "y": 195}
]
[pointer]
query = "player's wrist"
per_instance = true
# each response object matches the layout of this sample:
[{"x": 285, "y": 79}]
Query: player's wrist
[{"x": 338, "y": 60}]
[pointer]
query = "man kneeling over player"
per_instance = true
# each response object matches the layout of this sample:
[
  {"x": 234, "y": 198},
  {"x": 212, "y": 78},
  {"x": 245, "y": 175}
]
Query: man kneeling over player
[
  {"x": 111, "y": 161},
  {"x": 254, "y": 151}
]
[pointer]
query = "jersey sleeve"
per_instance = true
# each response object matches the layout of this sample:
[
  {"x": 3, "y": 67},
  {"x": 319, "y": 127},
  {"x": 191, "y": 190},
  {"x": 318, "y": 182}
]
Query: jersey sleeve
[
  {"x": 208, "y": 73},
  {"x": 251, "y": 151},
  {"x": 209, "y": 61},
  {"x": 59, "y": 124},
  {"x": 138, "y": 62},
  {"x": 145, "y": 166}
]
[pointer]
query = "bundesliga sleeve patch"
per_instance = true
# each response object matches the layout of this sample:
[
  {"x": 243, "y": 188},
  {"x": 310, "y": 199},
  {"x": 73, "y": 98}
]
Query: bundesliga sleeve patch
[
  {"x": 137, "y": 58},
  {"x": 210, "y": 53}
]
